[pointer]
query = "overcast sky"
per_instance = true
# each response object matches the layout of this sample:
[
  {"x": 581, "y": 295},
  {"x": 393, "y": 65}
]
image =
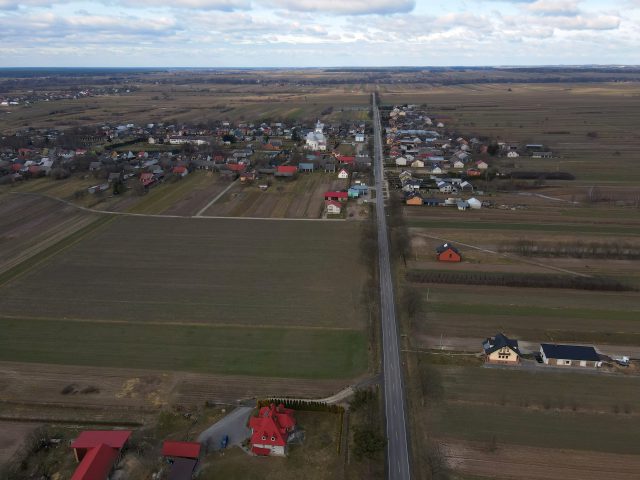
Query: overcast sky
[{"x": 308, "y": 33}]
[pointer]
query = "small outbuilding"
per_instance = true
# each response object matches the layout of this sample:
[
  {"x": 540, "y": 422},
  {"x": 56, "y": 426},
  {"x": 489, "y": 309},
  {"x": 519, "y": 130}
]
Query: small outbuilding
[{"x": 448, "y": 253}]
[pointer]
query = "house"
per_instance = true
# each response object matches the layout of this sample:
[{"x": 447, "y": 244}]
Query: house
[
  {"x": 183, "y": 457},
  {"x": 343, "y": 174},
  {"x": 306, "y": 167},
  {"x": 570, "y": 355},
  {"x": 448, "y": 253},
  {"x": 480, "y": 165},
  {"x": 247, "y": 177},
  {"x": 353, "y": 192},
  {"x": 180, "y": 170},
  {"x": 329, "y": 167},
  {"x": 458, "y": 164},
  {"x": 417, "y": 164},
  {"x": 464, "y": 185},
  {"x": 542, "y": 155},
  {"x": 513, "y": 154},
  {"x": 96, "y": 452},
  {"x": 236, "y": 167},
  {"x": 333, "y": 207},
  {"x": 501, "y": 350},
  {"x": 473, "y": 172},
  {"x": 286, "y": 171},
  {"x": 401, "y": 162},
  {"x": 359, "y": 137},
  {"x": 271, "y": 429},
  {"x": 462, "y": 205},
  {"x": 336, "y": 196},
  {"x": 431, "y": 202},
  {"x": 147, "y": 179},
  {"x": 347, "y": 159},
  {"x": 94, "y": 166},
  {"x": 414, "y": 199}
]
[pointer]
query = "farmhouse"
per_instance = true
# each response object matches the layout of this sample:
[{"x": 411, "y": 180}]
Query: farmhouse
[
  {"x": 501, "y": 350},
  {"x": 570, "y": 355},
  {"x": 333, "y": 207},
  {"x": 183, "y": 458},
  {"x": 97, "y": 451},
  {"x": 448, "y": 253},
  {"x": 271, "y": 429}
]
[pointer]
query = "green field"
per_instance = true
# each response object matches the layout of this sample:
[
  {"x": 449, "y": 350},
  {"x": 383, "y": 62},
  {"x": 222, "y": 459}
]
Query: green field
[
  {"x": 196, "y": 294},
  {"x": 269, "y": 352}
]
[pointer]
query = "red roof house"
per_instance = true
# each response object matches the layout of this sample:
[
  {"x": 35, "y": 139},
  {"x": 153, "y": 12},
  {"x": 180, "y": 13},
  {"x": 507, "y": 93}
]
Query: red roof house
[
  {"x": 337, "y": 196},
  {"x": 180, "y": 170},
  {"x": 181, "y": 449},
  {"x": 236, "y": 167},
  {"x": 97, "y": 451},
  {"x": 271, "y": 429},
  {"x": 347, "y": 159},
  {"x": 147, "y": 178},
  {"x": 333, "y": 207},
  {"x": 286, "y": 170}
]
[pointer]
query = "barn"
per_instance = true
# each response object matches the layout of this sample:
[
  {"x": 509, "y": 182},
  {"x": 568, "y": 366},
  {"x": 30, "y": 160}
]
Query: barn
[{"x": 448, "y": 253}]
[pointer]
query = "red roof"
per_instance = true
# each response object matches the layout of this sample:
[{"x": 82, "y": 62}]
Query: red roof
[
  {"x": 287, "y": 169},
  {"x": 95, "y": 438},
  {"x": 347, "y": 159},
  {"x": 96, "y": 464},
  {"x": 16, "y": 167},
  {"x": 331, "y": 202},
  {"x": 272, "y": 426},
  {"x": 336, "y": 195},
  {"x": 179, "y": 169},
  {"x": 181, "y": 449},
  {"x": 146, "y": 178},
  {"x": 236, "y": 167}
]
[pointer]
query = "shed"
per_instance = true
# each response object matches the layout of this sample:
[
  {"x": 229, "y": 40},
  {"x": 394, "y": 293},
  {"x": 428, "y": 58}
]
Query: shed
[
  {"x": 448, "y": 253},
  {"x": 181, "y": 449}
]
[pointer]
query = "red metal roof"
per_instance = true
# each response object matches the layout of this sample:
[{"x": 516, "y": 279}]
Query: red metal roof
[
  {"x": 236, "y": 167},
  {"x": 346, "y": 159},
  {"x": 96, "y": 464},
  {"x": 336, "y": 195},
  {"x": 181, "y": 449},
  {"x": 287, "y": 169},
  {"x": 94, "y": 438},
  {"x": 179, "y": 169}
]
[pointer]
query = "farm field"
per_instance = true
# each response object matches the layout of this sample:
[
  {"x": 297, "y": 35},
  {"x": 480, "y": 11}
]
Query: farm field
[
  {"x": 30, "y": 224},
  {"x": 299, "y": 198},
  {"x": 216, "y": 296},
  {"x": 559, "y": 116},
  {"x": 196, "y": 103}
]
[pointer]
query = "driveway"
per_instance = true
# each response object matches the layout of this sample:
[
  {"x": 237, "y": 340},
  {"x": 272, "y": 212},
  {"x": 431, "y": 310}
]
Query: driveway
[{"x": 234, "y": 425}]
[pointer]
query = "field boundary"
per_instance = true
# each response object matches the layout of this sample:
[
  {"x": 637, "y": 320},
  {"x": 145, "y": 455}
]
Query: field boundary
[{"x": 129, "y": 214}]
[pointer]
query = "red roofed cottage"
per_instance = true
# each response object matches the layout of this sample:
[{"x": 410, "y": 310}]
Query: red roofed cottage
[
  {"x": 271, "y": 429},
  {"x": 97, "y": 451}
]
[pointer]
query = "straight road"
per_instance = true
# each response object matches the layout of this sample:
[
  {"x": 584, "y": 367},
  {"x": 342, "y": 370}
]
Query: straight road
[{"x": 394, "y": 404}]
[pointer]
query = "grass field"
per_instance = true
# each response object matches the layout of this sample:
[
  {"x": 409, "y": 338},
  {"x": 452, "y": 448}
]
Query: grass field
[
  {"x": 190, "y": 294},
  {"x": 302, "y": 197}
]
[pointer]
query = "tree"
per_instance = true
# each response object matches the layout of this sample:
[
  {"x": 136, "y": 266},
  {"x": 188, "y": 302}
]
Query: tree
[
  {"x": 412, "y": 301},
  {"x": 368, "y": 442}
]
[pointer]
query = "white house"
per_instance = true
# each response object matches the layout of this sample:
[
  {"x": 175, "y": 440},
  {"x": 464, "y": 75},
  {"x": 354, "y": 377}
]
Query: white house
[
  {"x": 401, "y": 162},
  {"x": 482, "y": 165},
  {"x": 417, "y": 164},
  {"x": 513, "y": 154},
  {"x": 343, "y": 174},
  {"x": 333, "y": 207},
  {"x": 360, "y": 137},
  {"x": 458, "y": 164},
  {"x": 316, "y": 139},
  {"x": 437, "y": 170}
]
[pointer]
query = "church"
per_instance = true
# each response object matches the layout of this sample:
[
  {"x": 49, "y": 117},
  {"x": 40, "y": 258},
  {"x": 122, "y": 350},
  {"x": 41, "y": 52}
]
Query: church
[{"x": 316, "y": 139}]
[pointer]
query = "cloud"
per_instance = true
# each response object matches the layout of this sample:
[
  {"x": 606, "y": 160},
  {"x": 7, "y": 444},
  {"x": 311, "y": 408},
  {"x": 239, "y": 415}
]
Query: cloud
[
  {"x": 554, "y": 7},
  {"x": 223, "y": 5},
  {"x": 344, "y": 7}
]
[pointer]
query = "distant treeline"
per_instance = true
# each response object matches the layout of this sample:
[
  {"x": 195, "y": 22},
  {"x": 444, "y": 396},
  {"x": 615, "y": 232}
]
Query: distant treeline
[
  {"x": 603, "y": 250},
  {"x": 509, "y": 279}
]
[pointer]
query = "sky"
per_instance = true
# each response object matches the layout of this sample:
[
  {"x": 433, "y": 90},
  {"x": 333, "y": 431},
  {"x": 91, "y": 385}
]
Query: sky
[{"x": 317, "y": 33}]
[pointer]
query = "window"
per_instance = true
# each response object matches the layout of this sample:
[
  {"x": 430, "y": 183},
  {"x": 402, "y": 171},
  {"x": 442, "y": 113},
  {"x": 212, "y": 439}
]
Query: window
[
  {"x": 567, "y": 362},
  {"x": 273, "y": 438},
  {"x": 264, "y": 437}
]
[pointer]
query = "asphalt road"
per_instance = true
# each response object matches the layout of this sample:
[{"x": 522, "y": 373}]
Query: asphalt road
[{"x": 394, "y": 403}]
